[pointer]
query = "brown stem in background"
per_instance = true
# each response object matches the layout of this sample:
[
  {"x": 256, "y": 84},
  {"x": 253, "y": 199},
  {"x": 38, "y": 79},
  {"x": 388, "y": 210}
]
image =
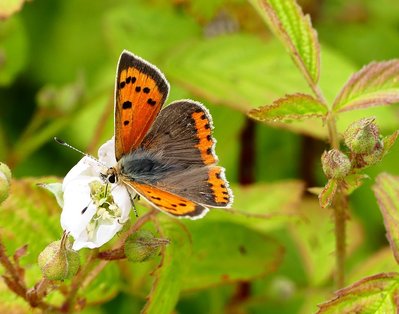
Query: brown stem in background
[
  {"x": 246, "y": 176},
  {"x": 246, "y": 171}
]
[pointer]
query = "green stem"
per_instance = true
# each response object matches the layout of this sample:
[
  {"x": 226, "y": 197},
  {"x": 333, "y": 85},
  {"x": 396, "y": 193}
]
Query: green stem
[
  {"x": 340, "y": 207},
  {"x": 340, "y": 203}
]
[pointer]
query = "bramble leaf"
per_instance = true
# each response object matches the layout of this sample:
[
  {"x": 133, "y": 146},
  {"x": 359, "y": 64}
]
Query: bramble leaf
[
  {"x": 374, "y": 294},
  {"x": 354, "y": 181},
  {"x": 226, "y": 252},
  {"x": 386, "y": 191},
  {"x": 291, "y": 107},
  {"x": 327, "y": 194},
  {"x": 287, "y": 21},
  {"x": 172, "y": 270},
  {"x": 389, "y": 141},
  {"x": 375, "y": 84}
]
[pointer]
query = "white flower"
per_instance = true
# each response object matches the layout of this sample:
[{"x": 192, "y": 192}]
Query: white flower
[{"x": 93, "y": 211}]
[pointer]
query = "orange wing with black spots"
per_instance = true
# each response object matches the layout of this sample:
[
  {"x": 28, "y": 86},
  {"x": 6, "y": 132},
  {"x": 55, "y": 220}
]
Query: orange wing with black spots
[
  {"x": 168, "y": 202},
  {"x": 140, "y": 92}
]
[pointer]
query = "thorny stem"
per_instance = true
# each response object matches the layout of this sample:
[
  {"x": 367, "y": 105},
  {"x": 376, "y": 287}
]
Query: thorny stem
[
  {"x": 340, "y": 203},
  {"x": 88, "y": 273}
]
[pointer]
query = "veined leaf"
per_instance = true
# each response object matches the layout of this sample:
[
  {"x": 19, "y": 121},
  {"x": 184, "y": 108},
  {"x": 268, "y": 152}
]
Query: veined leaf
[
  {"x": 292, "y": 107},
  {"x": 226, "y": 252},
  {"x": 170, "y": 273},
  {"x": 295, "y": 30},
  {"x": 386, "y": 191},
  {"x": 375, "y": 294},
  {"x": 375, "y": 84}
]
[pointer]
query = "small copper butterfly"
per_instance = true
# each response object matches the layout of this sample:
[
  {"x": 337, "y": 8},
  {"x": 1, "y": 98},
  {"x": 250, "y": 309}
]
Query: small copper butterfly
[{"x": 166, "y": 156}]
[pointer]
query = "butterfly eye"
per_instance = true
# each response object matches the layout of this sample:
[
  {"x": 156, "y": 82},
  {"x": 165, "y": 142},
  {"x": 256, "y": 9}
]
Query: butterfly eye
[{"x": 112, "y": 178}]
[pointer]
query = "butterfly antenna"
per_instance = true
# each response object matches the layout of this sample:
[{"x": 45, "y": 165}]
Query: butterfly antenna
[{"x": 63, "y": 143}]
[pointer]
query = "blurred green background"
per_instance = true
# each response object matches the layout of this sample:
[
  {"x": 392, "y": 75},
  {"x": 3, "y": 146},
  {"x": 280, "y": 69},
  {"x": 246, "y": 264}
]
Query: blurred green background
[{"x": 57, "y": 71}]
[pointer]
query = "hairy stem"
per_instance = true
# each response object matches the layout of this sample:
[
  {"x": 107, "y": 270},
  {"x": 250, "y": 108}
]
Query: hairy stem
[
  {"x": 340, "y": 203},
  {"x": 340, "y": 211}
]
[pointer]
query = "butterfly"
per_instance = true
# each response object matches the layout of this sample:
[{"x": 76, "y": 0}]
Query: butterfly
[{"x": 166, "y": 156}]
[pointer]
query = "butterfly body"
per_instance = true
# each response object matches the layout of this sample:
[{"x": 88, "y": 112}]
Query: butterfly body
[{"x": 166, "y": 156}]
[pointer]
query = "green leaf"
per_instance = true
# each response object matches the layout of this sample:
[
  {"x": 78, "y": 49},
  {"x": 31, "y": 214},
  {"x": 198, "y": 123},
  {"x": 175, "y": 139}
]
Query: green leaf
[
  {"x": 315, "y": 240},
  {"x": 220, "y": 72},
  {"x": 327, "y": 194},
  {"x": 381, "y": 261},
  {"x": 225, "y": 252},
  {"x": 291, "y": 107},
  {"x": 56, "y": 189},
  {"x": 354, "y": 181},
  {"x": 389, "y": 141},
  {"x": 171, "y": 271},
  {"x": 375, "y": 84},
  {"x": 262, "y": 206},
  {"x": 295, "y": 30},
  {"x": 386, "y": 191},
  {"x": 9, "y": 7},
  {"x": 375, "y": 294},
  {"x": 13, "y": 42}
]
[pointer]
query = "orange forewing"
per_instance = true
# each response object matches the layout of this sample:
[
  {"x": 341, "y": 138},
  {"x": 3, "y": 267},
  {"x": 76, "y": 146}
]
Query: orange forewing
[
  {"x": 141, "y": 90},
  {"x": 168, "y": 202}
]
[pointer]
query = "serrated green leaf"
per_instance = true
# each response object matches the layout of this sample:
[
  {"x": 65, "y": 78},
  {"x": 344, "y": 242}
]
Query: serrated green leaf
[
  {"x": 226, "y": 252},
  {"x": 291, "y": 107},
  {"x": 172, "y": 270},
  {"x": 386, "y": 191},
  {"x": 375, "y": 294},
  {"x": 375, "y": 84},
  {"x": 295, "y": 30},
  {"x": 327, "y": 194},
  {"x": 9, "y": 7}
]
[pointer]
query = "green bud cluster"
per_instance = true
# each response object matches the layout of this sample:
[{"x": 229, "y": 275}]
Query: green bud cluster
[
  {"x": 363, "y": 139},
  {"x": 336, "y": 165}
]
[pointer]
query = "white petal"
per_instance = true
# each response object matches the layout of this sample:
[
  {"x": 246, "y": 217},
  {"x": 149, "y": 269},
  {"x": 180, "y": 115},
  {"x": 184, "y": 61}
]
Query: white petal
[
  {"x": 84, "y": 169},
  {"x": 122, "y": 199},
  {"x": 106, "y": 153},
  {"x": 76, "y": 199}
]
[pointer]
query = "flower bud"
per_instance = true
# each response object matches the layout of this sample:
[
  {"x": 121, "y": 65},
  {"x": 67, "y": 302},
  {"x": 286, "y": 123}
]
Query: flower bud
[
  {"x": 366, "y": 160},
  {"x": 58, "y": 262},
  {"x": 142, "y": 246},
  {"x": 362, "y": 136},
  {"x": 336, "y": 165},
  {"x": 5, "y": 180}
]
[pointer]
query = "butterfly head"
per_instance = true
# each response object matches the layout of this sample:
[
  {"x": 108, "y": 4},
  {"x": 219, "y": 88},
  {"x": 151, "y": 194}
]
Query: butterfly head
[{"x": 111, "y": 176}]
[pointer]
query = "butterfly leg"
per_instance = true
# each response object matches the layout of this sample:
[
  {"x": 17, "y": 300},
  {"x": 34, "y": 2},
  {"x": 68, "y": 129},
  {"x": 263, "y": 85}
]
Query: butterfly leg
[{"x": 132, "y": 201}]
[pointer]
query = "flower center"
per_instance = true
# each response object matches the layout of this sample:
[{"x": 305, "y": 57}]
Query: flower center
[{"x": 107, "y": 209}]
